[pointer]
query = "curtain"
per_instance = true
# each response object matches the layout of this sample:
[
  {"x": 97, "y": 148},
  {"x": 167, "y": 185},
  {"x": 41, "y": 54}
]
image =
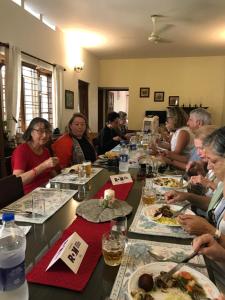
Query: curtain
[
  {"x": 58, "y": 96},
  {"x": 13, "y": 87}
]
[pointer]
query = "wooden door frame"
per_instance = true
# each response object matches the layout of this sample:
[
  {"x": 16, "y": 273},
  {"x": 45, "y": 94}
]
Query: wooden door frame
[{"x": 102, "y": 103}]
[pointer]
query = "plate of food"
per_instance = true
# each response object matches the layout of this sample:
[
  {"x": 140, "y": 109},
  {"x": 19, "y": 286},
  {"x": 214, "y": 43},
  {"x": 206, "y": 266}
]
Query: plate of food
[
  {"x": 163, "y": 214},
  {"x": 169, "y": 183},
  {"x": 71, "y": 170},
  {"x": 186, "y": 284},
  {"x": 109, "y": 155}
]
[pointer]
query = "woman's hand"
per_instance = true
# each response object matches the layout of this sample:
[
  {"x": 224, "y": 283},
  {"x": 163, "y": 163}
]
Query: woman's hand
[
  {"x": 195, "y": 225},
  {"x": 50, "y": 162},
  {"x": 213, "y": 250},
  {"x": 175, "y": 196}
]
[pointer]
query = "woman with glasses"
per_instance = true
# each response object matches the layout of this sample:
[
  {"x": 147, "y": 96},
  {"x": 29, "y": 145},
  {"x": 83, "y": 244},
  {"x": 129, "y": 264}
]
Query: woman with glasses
[
  {"x": 214, "y": 145},
  {"x": 31, "y": 160},
  {"x": 75, "y": 146}
]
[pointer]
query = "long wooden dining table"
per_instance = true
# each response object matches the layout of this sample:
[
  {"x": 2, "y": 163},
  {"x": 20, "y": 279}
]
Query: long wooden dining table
[{"x": 42, "y": 236}]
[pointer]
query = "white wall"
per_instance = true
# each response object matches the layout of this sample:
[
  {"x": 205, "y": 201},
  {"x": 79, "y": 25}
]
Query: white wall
[
  {"x": 20, "y": 28},
  {"x": 195, "y": 79}
]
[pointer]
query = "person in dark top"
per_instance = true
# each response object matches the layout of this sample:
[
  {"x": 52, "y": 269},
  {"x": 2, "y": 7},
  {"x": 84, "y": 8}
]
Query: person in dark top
[
  {"x": 108, "y": 136},
  {"x": 75, "y": 146}
]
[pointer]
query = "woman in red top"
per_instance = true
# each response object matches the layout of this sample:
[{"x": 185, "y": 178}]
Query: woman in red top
[{"x": 32, "y": 160}]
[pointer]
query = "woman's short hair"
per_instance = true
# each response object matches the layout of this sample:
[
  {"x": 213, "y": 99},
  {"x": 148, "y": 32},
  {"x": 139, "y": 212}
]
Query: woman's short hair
[
  {"x": 27, "y": 134},
  {"x": 216, "y": 141},
  {"x": 179, "y": 115},
  {"x": 78, "y": 115},
  {"x": 122, "y": 114},
  {"x": 112, "y": 116},
  {"x": 202, "y": 132},
  {"x": 202, "y": 115}
]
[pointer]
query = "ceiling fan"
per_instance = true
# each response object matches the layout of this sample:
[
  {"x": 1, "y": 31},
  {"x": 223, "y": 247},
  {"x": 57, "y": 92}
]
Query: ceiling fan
[{"x": 155, "y": 35}]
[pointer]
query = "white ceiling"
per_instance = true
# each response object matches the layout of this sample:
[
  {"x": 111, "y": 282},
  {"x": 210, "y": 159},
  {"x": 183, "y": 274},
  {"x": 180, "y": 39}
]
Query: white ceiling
[{"x": 195, "y": 27}]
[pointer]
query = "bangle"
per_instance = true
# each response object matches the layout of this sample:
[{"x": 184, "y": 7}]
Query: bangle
[
  {"x": 217, "y": 235},
  {"x": 35, "y": 172}
]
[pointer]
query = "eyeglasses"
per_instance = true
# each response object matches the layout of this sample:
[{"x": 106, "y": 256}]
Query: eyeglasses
[{"x": 42, "y": 131}]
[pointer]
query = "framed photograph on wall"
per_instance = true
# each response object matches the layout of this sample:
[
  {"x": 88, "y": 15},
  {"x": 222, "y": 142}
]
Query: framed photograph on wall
[
  {"x": 173, "y": 100},
  {"x": 144, "y": 92},
  {"x": 69, "y": 99},
  {"x": 158, "y": 96}
]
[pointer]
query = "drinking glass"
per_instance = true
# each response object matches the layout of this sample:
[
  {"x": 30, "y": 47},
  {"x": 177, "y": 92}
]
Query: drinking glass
[
  {"x": 119, "y": 225},
  {"x": 148, "y": 195},
  {"x": 87, "y": 167},
  {"x": 81, "y": 175},
  {"x": 112, "y": 248},
  {"x": 38, "y": 203}
]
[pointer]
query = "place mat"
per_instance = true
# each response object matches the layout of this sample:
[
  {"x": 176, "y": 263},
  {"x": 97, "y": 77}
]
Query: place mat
[
  {"x": 143, "y": 225},
  {"x": 59, "y": 275},
  {"x": 93, "y": 211},
  {"x": 136, "y": 254},
  {"x": 54, "y": 200},
  {"x": 73, "y": 178}
]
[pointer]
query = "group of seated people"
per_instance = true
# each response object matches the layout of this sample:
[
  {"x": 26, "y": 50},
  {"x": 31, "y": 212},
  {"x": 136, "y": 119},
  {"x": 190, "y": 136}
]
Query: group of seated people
[
  {"x": 32, "y": 161},
  {"x": 191, "y": 144}
]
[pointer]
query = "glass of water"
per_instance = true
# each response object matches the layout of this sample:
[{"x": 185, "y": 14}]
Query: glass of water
[{"x": 119, "y": 225}]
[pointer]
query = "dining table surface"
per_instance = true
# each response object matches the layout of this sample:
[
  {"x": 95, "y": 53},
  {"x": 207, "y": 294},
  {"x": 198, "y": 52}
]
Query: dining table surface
[{"x": 42, "y": 236}]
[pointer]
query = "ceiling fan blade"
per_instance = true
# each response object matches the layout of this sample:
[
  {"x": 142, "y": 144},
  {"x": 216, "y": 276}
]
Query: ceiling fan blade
[{"x": 165, "y": 28}]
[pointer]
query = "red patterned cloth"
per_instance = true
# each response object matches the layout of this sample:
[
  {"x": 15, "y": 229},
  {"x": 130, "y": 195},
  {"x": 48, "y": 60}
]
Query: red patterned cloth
[{"x": 59, "y": 274}]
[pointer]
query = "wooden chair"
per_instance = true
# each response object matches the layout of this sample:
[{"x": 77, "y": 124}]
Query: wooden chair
[{"x": 11, "y": 189}]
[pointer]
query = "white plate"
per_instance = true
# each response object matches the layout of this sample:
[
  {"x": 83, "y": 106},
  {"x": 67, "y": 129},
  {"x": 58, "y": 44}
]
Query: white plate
[
  {"x": 155, "y": 268},
  {"x": 150, "y": 210},
  {"x": 165, "y": 188},
  {"x": 102, "y": 156}
]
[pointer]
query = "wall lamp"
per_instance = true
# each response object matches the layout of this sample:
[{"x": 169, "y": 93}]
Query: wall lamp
[{"x": 79, "y": 67}]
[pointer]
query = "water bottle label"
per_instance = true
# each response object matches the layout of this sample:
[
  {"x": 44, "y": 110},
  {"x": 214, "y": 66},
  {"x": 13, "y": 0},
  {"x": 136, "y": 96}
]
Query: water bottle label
[
  {"x": 133, "y": 147},
  {"x": 123, "y": 157},
  {"x": 12, "y": 278}
]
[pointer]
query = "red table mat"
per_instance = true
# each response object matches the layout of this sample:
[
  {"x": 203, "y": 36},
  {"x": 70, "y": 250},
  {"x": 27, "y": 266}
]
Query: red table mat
[{"x": 59, "y": 274}]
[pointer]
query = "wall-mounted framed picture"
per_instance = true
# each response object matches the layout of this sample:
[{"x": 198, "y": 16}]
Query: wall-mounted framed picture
[
  {"x": 69, "y": 99},
  {"x": 144, "y": 92},
  {"x": 158, "y": 96},
  {"x": 173, "y": 100}
]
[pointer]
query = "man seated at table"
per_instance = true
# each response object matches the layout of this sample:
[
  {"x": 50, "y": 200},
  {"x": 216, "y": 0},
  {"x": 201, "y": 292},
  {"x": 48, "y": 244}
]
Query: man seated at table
[{"x": 109, "y": 137}]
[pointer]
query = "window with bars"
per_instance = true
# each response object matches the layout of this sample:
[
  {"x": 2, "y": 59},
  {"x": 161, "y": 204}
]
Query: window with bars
[{"x": 36, "y": 95}]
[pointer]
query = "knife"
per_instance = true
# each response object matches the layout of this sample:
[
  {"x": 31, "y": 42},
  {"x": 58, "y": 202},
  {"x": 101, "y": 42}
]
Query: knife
[
  {"x": 165, "y": 277},
  {"x": 177, "y": 213}
]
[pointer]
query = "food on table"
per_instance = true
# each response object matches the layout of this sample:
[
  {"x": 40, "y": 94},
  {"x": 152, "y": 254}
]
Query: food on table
[
  {"x": 162, "y": 215},
  {"x": 182, "y": 286},
  {"x": 111, "y": 154},
  {"x": 146, "y": 282},
  {"x": 168, "y": 182}
]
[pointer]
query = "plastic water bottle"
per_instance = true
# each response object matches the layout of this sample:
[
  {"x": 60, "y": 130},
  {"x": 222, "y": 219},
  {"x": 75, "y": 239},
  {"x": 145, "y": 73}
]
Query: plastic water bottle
[
  {"x": 12, "y": 260},
  {"x": 123, "y": 163}
]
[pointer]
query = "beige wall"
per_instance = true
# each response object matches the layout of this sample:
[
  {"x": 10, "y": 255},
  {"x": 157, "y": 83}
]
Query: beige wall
[
  {"x": 196, "y": 80},
  {"x": 21, "y": 29}
]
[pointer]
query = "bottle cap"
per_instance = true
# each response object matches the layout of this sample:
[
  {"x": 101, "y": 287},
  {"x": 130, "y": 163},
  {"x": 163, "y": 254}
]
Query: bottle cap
[{"x": 7, "y": 217}]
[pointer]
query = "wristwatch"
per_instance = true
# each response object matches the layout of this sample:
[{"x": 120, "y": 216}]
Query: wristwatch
[{"x": 217, "y": 235}]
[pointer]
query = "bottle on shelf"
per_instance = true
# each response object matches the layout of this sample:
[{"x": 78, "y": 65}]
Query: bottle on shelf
[{"x": 13, "y": 285}]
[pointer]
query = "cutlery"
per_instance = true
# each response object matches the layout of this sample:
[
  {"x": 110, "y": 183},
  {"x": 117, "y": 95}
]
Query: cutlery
[
  {"x": 177, "y": 213},
  {"x": 28, "y": 214},
  {"x": 162, "y": 258},
  {"x": 165, "y": 277}
]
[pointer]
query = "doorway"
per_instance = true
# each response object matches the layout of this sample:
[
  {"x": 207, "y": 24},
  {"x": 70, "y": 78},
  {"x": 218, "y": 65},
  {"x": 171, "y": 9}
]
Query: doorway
[
  {"x": 83, "y": 97},
  {"x": 111, "y": 99}
]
